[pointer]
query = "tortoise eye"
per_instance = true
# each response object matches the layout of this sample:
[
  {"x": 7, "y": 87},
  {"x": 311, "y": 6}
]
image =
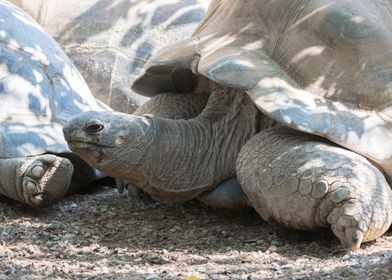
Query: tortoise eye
[{"x": 94, "y": 126}]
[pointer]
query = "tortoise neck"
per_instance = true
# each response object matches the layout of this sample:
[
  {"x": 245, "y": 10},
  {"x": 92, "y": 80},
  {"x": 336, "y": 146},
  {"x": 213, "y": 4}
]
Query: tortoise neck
[{"x": 188, "y": 157}]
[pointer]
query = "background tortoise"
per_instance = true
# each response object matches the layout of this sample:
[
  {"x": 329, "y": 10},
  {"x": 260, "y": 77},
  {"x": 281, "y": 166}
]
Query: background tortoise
[
  {"x": 40, "y": 89},
  {"x": 110, "y": 51},
  {"x": 320, "y": 67},
  {"x": 110, "y": 41}
]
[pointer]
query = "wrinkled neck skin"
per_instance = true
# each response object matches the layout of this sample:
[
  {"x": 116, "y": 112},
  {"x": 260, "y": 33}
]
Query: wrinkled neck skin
[{"x": 176, "y": 160}]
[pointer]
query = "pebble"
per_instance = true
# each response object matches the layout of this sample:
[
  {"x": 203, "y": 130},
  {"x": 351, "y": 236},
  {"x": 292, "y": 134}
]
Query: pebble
[
  {"x": 85, "y": 250},
  {"x": 152, "y": 277},
  {"x": 175, "y": 228},
  {"x": 49, "y": 272},
  {"x": 157, "y": 260},
  {"x": 272, "y": 248}
]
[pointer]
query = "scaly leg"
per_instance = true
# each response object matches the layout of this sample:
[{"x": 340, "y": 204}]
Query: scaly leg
[
  {"x": 37, "y": 180},
  {"x": 303, "y": 182}
]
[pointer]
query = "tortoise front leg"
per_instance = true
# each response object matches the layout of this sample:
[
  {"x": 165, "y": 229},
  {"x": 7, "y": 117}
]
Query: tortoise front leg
[
  {"x": 36, "y": 180},
  {"x": 303, "y": 182}
]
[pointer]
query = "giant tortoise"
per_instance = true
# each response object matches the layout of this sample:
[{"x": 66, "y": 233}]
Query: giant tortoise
[
  {"x": 40, "y": 89},
  {"x": 110, "y": 41},
  {"x": 319, "y": 71}
]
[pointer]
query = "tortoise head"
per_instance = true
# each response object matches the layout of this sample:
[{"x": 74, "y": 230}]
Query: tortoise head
[{"x": 108, "y": 140}]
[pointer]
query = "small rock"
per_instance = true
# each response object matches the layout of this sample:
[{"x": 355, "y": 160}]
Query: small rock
[
  {"x": 127, "y": 267},
  {"x": 286, "y": 266},
  {"x": 49, "y": 272},
  {"x": 69, "y": 236},
  {"x": 176, "y": 228},
  {"x": 192, "y": 277},
  {"x": 272, "y": 248},
  {"x": 65, "y": 270},
  {"x": 157, "y": 260},
  {"x": 152, "y": 277},
  {"x": 85, "y": 251}
]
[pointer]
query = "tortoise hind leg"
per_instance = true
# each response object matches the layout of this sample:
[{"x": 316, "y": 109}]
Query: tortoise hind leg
[
  {"x": 303, "y": 182},
  {"x": 37, "y": 180}
]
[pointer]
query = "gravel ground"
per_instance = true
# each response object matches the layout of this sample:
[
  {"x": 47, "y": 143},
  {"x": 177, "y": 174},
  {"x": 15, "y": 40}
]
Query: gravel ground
[{"x": 103, "y": 235}]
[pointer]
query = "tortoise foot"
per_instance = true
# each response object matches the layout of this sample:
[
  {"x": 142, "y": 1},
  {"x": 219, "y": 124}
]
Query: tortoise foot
[
  {"x": 36, "y": 181},
  {"x": 133, "y": 192},
  {"x": 46, "y": 179},
  {"x": 349, "y": 228},
  {"x": 362, "y": 215}
]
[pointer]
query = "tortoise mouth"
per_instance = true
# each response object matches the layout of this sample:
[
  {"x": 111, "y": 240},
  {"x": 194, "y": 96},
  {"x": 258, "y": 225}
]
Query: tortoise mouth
[{"x": 87, "y": 145}]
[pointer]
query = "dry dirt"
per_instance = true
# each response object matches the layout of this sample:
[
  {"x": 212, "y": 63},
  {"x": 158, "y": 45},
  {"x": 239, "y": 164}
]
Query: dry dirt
[{"x": 103, "y": 235}]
